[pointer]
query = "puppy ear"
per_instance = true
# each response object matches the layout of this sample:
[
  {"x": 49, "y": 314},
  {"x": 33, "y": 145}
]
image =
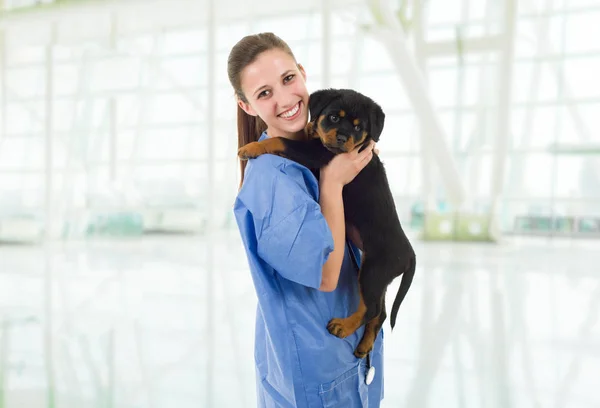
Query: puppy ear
[
  {"x": 319, "y": 100},
  {"x": 376, "y": 122}
]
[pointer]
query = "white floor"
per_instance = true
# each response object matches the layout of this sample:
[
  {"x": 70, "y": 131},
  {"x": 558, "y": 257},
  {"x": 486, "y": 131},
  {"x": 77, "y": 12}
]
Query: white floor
[{"x": 510, "y": 325}]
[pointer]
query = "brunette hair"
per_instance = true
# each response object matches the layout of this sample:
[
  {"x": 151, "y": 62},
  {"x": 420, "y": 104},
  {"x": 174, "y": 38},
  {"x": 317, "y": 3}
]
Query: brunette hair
[{"x": 241, "y": 55}]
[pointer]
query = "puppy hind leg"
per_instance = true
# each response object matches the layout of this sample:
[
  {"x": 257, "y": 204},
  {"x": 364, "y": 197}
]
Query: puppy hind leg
[
  {"x": 373, "y": 290},
  {"x": 344, "y": 327},
  {"x": 371, "y": 331}
]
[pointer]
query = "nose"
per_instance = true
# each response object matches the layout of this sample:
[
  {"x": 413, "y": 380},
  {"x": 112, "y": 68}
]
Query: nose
[
  {"x": 286, "y": 105},
  {"x": 341, "y": 138},
  {"x": 285, "y": 101}
]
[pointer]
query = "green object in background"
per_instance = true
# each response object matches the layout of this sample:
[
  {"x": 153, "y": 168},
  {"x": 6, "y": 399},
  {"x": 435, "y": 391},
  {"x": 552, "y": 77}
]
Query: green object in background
[
  {"x": 589, "y": 225},
  {"x": 117, "y": 224},
  {"x": 417, "y": 218},
  {"x": 564, "y": 224},
  {"x": 438, "y": 227},
  {"x": 579, "y": 149},
  {"x": 457, "y": 227},
  {"x": 473, "y": 227}
]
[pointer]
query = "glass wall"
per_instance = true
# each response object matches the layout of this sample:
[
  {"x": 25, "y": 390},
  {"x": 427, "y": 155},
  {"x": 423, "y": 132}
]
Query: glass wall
[{"x": 123, "y": 102}]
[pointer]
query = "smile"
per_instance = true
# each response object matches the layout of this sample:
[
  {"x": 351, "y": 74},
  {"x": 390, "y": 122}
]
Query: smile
[{"x": 292, "y": 113}]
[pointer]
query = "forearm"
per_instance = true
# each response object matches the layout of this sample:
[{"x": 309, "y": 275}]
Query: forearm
[{"x": 332, "y": 207}]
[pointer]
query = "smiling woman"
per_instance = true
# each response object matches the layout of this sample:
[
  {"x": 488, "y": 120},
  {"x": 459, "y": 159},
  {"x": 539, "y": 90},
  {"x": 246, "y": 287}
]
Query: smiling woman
[
  {"x": 293, "y": 229},
  {"x": 269, "y": 87},
  {"x": 280, "y": 102}
]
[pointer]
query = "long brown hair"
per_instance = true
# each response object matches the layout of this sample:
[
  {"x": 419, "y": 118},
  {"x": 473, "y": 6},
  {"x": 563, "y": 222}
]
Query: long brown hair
[{"x": 241, "y": 55}]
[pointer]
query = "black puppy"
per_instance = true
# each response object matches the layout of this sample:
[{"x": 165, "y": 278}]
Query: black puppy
[{"x": 341, "y": 120}]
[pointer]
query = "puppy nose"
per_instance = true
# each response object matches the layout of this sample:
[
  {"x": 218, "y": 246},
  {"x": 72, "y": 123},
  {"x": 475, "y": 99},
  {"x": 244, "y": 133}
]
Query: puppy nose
[{"x": 341, "y": 138}]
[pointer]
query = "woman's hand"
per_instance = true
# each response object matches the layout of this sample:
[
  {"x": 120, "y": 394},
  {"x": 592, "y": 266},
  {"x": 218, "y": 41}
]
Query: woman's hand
[{"x": 342, "y": 169}]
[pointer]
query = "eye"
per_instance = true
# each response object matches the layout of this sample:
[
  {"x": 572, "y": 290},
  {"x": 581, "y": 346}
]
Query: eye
[
  {"x": 334, "y": 118},
  {"x": 288, "y": 78},
  {"x": 263, "y": 93},
  {"x": 357, "y": 128}
]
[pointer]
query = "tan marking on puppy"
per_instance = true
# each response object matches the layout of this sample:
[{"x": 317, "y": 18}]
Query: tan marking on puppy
[
  {"x": 345, "y": 327},
  {"x": 356, "y": 121},
  {"x": 349, "y": 145},
  {"x": 327, "y": 137},
  {"x": 310, "y": 132},
  {"x": 352, "y": 143},
  {"x": 368, "y": 339},
  {"x": 342, "y": 113},
  {"x": 255, "y": 149}
]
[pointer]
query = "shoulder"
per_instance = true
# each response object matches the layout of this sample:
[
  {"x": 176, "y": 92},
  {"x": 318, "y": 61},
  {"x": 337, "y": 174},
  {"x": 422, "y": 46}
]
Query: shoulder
[
  {"x": 270, "y": 163},
  {"x": 271, "y": 179},
  {"x": 270, "y": 168}
]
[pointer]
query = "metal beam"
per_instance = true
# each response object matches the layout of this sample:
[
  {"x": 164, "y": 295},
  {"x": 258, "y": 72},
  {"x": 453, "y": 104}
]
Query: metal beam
[
  {"x": 326, "y": 41},
  {"x": 356, "y": 56},
  {"x": 112, "y": 109},
  {"x": 504, "y": 103},
  {"x": 429, "y": 204},
  {"x": 391, "y": 34},
  {"x": 469, "y": 45},
  {"x": 3, "y": 87},
  {"x": 48, "y": 136},
  {"x": 515, "y": 177}
]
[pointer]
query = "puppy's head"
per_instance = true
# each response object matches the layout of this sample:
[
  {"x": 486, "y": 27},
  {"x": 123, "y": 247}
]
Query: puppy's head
[{"x": 344, "y": 119}]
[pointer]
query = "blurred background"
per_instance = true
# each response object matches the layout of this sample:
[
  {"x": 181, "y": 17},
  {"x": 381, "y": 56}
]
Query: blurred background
[{"x": 123, "y": 281}]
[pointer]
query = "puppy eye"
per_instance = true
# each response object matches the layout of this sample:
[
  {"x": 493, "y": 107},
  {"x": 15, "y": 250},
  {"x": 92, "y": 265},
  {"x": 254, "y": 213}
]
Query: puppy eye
[
  {"x": 357, "y": 128},
  {"x": 334, "y": 118}
]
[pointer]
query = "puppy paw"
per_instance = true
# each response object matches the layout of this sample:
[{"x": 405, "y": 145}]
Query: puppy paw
[
  {"x": 250, "y": 151},
  {"x": 339, "y": 328},
  {"x": 362, "y": 351}
]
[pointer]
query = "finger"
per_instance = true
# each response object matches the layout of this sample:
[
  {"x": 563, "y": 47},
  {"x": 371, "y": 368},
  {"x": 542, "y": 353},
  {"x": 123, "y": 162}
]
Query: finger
[
  {"x": 369, "y": 150},
  {"x": 366, "y": 158},
  {"x": 353, "y": 153}
]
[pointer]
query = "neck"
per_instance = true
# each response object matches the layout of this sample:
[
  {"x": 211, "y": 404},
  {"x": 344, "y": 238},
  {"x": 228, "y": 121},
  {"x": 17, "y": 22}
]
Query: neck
[{"x": 300, "y": 135}]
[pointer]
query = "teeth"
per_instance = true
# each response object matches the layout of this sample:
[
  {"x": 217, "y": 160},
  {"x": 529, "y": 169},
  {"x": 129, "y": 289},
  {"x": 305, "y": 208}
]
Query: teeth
[{"x": 291, "y": 112}]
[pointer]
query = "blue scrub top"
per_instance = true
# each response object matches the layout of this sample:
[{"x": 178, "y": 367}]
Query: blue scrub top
[{"x": 287, "y": 241}]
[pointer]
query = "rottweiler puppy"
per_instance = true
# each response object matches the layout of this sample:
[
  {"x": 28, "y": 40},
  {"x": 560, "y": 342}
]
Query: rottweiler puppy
[{"x": 342, "y": 120}]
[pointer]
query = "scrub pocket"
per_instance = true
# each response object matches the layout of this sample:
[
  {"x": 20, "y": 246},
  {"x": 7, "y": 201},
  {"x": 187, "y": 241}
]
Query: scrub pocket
[
  {"x": 348, "y": 390},
  {"x": 269, "y": 397}
]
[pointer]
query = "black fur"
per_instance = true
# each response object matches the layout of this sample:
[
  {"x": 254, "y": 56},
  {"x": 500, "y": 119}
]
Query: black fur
[{"x": 368, "y": 201}]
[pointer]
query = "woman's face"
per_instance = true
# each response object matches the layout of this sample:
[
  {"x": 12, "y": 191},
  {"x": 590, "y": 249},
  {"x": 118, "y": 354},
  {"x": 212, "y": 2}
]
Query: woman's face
[{"x": 275, "y": 88}]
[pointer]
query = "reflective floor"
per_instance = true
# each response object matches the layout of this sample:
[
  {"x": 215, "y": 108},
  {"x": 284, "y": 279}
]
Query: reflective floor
[{"x": 140, "y": 323}]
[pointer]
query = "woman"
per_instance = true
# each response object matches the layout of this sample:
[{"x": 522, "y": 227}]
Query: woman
[{"x": 292, "y": 225}]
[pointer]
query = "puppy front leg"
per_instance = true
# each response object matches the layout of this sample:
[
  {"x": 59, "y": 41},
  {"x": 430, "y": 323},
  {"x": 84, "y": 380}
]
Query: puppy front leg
[{"x": 310, "y": 153}]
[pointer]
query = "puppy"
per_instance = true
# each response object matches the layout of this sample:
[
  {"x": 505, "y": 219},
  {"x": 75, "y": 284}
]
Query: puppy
[{"x": 341, "y": 120}]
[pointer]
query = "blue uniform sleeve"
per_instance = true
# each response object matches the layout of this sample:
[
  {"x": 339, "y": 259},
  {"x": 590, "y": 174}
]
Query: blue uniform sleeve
[{"x": 293, "y": 235}]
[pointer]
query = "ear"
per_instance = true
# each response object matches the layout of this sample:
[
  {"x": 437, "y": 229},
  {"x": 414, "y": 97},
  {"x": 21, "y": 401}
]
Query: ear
[
  {"x": 320, "y": 99},
  {"x": 246, "y": 107},
  {"x": 376, "y": 121},
  {"x": 302, "y": 71}
]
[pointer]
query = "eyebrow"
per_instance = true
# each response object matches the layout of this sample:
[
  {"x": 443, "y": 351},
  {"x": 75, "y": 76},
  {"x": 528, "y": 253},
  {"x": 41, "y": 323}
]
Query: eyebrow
[{"x": 286, "y": 73}]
